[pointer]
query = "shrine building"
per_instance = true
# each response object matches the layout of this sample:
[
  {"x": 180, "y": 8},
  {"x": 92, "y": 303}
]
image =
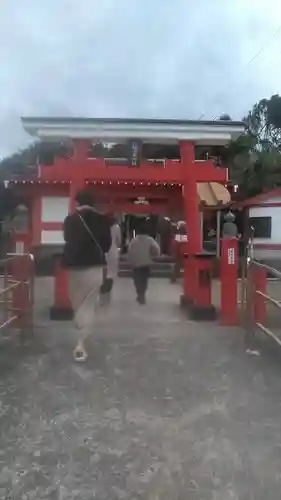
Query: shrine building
[{"x": 135, "y": 168}]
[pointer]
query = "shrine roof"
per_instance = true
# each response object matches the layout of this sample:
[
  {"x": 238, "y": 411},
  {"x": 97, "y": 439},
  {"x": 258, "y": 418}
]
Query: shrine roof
[{"x": 117, "y": 129}]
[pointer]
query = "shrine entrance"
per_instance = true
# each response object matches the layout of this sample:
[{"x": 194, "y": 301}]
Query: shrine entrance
[
  {"x": 164, "y": 184},
  {"x": 150, "y": 203},
  {"x": 130, "y": 225}
]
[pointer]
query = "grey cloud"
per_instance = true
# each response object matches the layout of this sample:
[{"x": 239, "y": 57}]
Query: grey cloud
[{"x": 131, "y": 58}]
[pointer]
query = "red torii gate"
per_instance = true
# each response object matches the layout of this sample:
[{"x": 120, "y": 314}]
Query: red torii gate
[{"x": 187, "y": 172}]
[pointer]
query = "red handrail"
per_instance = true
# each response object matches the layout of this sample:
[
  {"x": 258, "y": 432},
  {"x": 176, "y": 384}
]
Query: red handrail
[{"x": 17, "y": 292}]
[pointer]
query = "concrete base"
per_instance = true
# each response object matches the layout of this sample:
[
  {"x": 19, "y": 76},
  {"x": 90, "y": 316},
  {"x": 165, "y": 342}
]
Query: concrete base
[
  {"x": 198, "y": 313},
  {"x": 185, "y": 302},
  {"x": 61, "y": 313}
]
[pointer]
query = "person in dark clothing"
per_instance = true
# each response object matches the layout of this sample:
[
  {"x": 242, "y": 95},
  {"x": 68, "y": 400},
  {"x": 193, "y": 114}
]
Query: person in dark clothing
[
  {"x": 87, "y": 238},
  {"x": 87, "y": 235}
]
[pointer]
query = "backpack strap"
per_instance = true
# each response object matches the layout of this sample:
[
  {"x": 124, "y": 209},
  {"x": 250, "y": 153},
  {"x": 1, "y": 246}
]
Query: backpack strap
[{"x": 91, "y": 234}]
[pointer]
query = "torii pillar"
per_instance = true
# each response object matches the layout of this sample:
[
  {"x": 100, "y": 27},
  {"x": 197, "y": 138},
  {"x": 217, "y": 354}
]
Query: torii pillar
[
  {"x": 80, "y": 149},
  {"x": 62, "y": 309},
  {"x": 197, "y": 264}
]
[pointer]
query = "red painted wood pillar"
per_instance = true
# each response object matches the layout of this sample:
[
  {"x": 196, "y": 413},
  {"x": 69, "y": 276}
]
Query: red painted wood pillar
[
  {"x": 74, "y": 187},
  {"x": 61, "y": 309},
  {"x": 192, "y": 217},
  {"x": 197, "y": 266},
  {"x": 80, "y": 149},
  {"x": 190, "y": 197},
  {"x": 229, "y": 276},
  {"x": 80, "y": 154},
  {"x": 36, "y": 216}
]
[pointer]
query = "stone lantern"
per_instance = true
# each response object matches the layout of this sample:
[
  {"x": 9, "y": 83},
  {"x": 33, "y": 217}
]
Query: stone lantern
[
  {"x": 21, "y": 219},
  {"x": 21, "y": 233}
]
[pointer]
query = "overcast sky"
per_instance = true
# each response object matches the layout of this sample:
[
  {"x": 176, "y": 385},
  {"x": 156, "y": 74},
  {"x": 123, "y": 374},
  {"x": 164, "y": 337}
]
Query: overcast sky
[{"x": 134, "y": 58}]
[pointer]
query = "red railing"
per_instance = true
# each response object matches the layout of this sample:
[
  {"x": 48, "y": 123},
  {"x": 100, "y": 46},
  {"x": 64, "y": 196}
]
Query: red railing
[
  {"x": 256, "y": 299},
  {"x": 17, "y": 292}
]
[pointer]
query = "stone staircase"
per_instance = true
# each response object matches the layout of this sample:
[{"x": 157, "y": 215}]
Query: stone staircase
[{"x": 161, "y": 268}]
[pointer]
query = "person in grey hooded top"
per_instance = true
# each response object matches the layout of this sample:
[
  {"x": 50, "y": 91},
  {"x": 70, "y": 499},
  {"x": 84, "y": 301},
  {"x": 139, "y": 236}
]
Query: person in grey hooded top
[{"x": 142, "y": 249}]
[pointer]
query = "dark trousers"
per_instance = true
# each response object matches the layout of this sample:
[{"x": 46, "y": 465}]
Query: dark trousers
[
  {"x": 105, "y": 289},
  {"x": 106, "y": 286},
  {"x": 176, "y": 271},
  {"x": 140, "y": 277},
  {"x": 107, "y": 283}
]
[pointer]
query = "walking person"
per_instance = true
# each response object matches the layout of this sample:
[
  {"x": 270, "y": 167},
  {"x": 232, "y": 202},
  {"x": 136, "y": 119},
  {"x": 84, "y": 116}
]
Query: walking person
[
  {"x": 112, "y": 260},
  {"x": 142, "y": 250},
  {"x": 87, "y": 239}
]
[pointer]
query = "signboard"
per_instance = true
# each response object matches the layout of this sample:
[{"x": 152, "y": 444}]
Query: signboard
[
  {"x": 231, "y": 256},
  {"x": 134, "y": 156},
  {"x": 181, "y": 238},
  {"x": 141, "y": 200}
]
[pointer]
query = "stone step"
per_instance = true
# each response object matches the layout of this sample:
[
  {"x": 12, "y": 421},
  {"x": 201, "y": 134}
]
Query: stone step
[
  {"x": 161, "y": 266},
  {"x": 155, "y": 273},
  {"x": 158, "y": 269},
  {"x": 163, "y": 259}
]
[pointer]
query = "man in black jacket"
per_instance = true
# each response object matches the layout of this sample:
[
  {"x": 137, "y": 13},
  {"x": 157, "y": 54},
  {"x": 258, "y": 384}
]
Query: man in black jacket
[{"x": 87, "y": 239}]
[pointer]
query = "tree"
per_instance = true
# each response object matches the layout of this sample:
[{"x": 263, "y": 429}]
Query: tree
[
  {"x": 263, "y": 123},
  {"x": 8, "y": 202},
  {"x": 254, "y": 159},
  {"x": 23, "y": 161}
]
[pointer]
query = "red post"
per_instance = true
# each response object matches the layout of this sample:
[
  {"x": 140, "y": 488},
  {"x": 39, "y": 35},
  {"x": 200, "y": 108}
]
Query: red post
[
  {"x": 21, "y": 271},
  {"x": 189, "y": 279},
  {"x": 61, "y": 309},
  {"x": 80, "y": 149},
  {"x": 204, "y": 291},
  {"x": 74, "y": 187},
  {"x": 190, "y": 197},
  {"x": 80, "y": 155},
  {"x": 198, "y": 286},
  {"x": 193, "y": 224},
  {"x": 259, "y": 284},
  {"x": 229, "y": 274}
]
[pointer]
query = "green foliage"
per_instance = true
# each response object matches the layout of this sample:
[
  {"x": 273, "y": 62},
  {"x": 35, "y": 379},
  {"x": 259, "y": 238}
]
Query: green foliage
[
  {"x": 22, "y": 162},
  {"x": 254, "y": 159}
]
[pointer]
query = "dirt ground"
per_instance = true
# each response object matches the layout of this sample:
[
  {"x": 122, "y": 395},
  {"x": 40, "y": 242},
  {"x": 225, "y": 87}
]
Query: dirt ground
[{"x": 164, "y": 409}]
